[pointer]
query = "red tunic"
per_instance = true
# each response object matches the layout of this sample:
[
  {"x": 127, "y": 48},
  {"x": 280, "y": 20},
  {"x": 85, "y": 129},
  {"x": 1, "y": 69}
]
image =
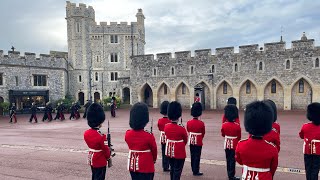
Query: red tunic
[
  {"x": 311, "y": 135},
  {"x": 257, "y": 153},
  {"x": 99, "y": 151},
  {"x": 273, "y": 137},
  {"x": 161, "y": 123},
  {"x": 232, "y": 133},
  {"x": 276, "y": 126},
  {"x": 196, "y": 130},
  {"x": 197, "y": 99},
  {"x": 224, "y": 119},
  {"x": 174, "y": 132},
  {"x": 140, "y": 140}
]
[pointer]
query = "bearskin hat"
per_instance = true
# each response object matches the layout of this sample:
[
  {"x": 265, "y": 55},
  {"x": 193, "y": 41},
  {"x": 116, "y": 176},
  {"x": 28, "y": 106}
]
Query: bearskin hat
[
  {"x": 258, "y": 118},
  {"x": 95, "y": 115},
  {"x": 274, "y": 108},
  {"x": 164, "y": 108},
  {"x": 313, "y": 112},
  {"x": 231, "y": 112},
  {"x": 174, "y": 111},
  {"x": 196, "y": 109},
  {"x": 139, "y": 116},
  {"x": 232, "y": 100}
]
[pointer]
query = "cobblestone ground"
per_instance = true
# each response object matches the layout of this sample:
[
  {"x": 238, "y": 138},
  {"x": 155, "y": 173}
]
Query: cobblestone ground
[{"x": 56, "y": 150}]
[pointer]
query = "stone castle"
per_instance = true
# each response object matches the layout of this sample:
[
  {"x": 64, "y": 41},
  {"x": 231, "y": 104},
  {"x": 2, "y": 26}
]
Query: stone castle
[{"x": 112, "y": 56}]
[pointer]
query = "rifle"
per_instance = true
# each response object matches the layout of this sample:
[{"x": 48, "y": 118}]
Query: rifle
[
  {"x": 151, "y": 125},
  {"x": 181, "y": 124},
  {"x": 110, "y": 146}
]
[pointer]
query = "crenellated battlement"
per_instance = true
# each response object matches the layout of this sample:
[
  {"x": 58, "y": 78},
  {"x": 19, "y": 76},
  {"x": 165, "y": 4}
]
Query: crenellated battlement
[
  {"x": 248, "y": 48},
  {"x": 115, "y": 27},
  {"x": 79, "y": 11}
]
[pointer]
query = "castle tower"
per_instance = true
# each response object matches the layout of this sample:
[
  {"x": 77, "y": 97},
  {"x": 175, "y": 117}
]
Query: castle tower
[{"x": 140, "y": 22}]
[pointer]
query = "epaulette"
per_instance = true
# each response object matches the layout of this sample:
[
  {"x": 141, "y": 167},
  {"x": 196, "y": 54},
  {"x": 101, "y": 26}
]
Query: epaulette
[
  {"x": 270, "y": 143},
  {"x": 100, "y": 132},
  {"x": 275, "y": 130},
  {"x": 243, "y": 140},
  {"x": 237, "y": 123}
]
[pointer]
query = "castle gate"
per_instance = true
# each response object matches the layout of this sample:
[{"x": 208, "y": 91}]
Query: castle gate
[
  {"x": 147, "y": 95},
  {"x": 81, "y": 98}
]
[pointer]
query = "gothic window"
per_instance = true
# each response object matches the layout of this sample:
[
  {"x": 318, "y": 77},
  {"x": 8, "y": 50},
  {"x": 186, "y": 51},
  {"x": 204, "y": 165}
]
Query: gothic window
[
  {"x": 17, "y": 82},
  {"x": 80, "y": 79},
  {"x": 39, "y": 80},
  {"x": 260, "y": 66},
  {"x": 172, "y": 70},
  {"x": 183, "y": 89},
  {"x": 288, "y": 64},
  {"x": 165, "y": 89},
  {"x": 191, "y": 70},
  {"x": 212, "y": 69},
  {"x": 225, "y": 88},
  {"x": 114, "y": 57},
  {"x": 110, "y": 94},
  {"x": 248, "y": 87},
  {"x": 114, "y": 76},
  {"x": 1, "y": 79},
  {"x": 317, "y": 63},
  {"x": 96, "y": 76},
  {"x": 273, "y": 87},
  {"x": 114, "y": 38},
  {"x": 301, "y": 86},
  {"x": 236, "y": 67}
]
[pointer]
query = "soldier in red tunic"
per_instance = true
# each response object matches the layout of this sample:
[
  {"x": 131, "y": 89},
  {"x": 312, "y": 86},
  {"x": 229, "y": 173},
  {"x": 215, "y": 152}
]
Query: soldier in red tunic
[
  {"x": 232, "y": 101},
  {"x": 196, "y": 130},
  {"x": 99, "y": 151},
  {"x": 310, "y": 132},
  {"x": 258, "y": 157},
  {"x": 142, "y": 145},
  {"x": 161, "y": 123},
  {"x": 231, "y": 131},
  {"x": 177, "y": 139},
  {"x": 197, "y": 98},
  {"x": 275, "y": 125}
]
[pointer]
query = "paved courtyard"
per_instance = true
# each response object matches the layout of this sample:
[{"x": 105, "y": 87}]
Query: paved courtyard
[{"x": 56, "y": 150}]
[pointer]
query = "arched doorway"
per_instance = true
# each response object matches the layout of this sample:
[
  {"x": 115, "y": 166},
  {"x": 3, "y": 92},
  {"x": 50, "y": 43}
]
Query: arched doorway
[
  {"x": 204, "y": 94},
  {"x": 147, "y": 95},
  {"x": 96, "y": 97},
  {"x": 126, "y": 95},
  {"x": 301, "y": 95},
  {"x": 1, "y": 109},
  {"x": 274, "y": 91},
  {"x": 224, "y": 91},
  {"x": 163, "y": 93},
  {"x": 183, "y": 95},
  {"x": 81, "y": 98},
  {"x": 248, "y": 94}
]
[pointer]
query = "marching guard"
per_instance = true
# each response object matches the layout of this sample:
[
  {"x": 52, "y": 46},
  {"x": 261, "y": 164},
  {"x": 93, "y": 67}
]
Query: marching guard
[
  {"x": 231, "y": 131},
  {"x": 310, "y": 132},
  {"x": 99, "y": 152},
  {"x": 142, "y": 145},
  {"x": 258, "y": 157},
  {"x": 60, "y": 108},
  {"x": 89, "y": 102},
  {"x": 13, "y": 109},
  {"x": 232, "y": 101},
  {"x": 161, "y": 124},
  {"x": 196, "y": 130},
  {"x": 274, "y": 135},
  {"x": 177, "y": 139},
  {"x": 47, "y": 112},
  {"x": 275, "y": 124},
  {"x": 33, "y": 109},
  {"x": 113, "y": 106}
]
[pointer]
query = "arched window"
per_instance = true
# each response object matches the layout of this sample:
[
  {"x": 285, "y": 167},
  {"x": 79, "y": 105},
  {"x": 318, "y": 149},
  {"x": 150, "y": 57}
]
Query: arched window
[
  {"x": 172, "y": 71},
  {"x": 236, "y": 67},
  {"x": 191, "y": 70},
  {"x": 248, "y": 87},
  {"x": 301, "y": 86},
  {"x": 260, "y": 66},
  {"x": 154, "y": 71},
  {"x": 317, "y": 63},
  {"x": 110, "y": 94},
  {"x": 165, "y": 89},
  {"x": 96, "y": 76},
  {"x": 225, "y": 88},
  {"x": 183, "y": 89},
  {"x": 288, "y": 64},
  {"x": 212, "y": 69},
  {"x": 273, "y": 86}
]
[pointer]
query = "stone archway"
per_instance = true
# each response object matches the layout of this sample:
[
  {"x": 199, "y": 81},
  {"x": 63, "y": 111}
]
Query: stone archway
[
  {"x": 1, "y": 109},
  {"x": 274, "y": 91},
  {"x": 126, "y": 95},
  {"x": 163, "y": 93},
  {"x": 247, "y": 94},
  {"x": 224, "y": 91},
  {"x": 147, "y": 95},
  {"x": 301, "y": 94},
  {"x": 81, "y": 98},
  {"x": 203, "y": 91},
  {"x": 96, "y": 96},
  {"x": 183, "y": 95}
]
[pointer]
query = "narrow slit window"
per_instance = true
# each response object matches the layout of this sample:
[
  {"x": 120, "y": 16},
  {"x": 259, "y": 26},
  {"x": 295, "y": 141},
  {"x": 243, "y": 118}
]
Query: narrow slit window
[
  {"x": 225, "y": 88},
  {"x": 301, "y": 86},
  {"x": 248, "y": 87},
  {"x": 273, "y": 87}
]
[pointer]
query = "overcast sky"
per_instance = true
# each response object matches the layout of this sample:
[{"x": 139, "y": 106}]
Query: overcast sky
[{"x": 171, "y": 25}]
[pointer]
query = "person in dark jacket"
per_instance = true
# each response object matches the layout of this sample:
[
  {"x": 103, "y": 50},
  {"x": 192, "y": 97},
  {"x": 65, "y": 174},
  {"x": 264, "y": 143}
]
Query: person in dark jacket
[
  {"x": 34, "y": 109},
  {"x": 89, "y": 102},
  {"x": 47, "y": 112},
  {"x": 13, "y": 113}
]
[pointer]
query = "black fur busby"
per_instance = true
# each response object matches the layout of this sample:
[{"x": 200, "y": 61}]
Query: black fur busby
[
  {"x": 231, "y": 112},
  {"x": 232, "y": 100},
  {"x": 95, "y": 115},
  {"x": 164, "y": 108},
  {"x": 258, "y": 118},
  {"x": 274, "y": 108},
  {"x": 196, "y": 109},
  {"x": 174, "y": 111},
  {"x": 313, "y": 113},
  {"x": 139, "y": 116}
]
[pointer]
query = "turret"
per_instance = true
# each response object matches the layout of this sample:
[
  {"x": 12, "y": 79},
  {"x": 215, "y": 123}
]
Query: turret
[{"x": 140, "y": 23}]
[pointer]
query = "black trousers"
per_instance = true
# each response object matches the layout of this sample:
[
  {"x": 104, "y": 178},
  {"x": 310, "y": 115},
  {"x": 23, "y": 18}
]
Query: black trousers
[
  {"x": 72, "y": 115},
  {"x": 57, "y": 115},
  {"x": 312, "y": 166},
  {"x": 165, "y": 159},
  {"x": 231, "y": 162},
  {"x": 195, "y": 152},
  {"x": 33, "y": 115},
  {"x": 45, "y": 116},
  {"x": 85, "y": 113},
  {"x": 141, "y": 176},
  {"x": 13, "y": 115},
  {"x": 176, "y": 166},
  {"x": 98, "y": 173}
]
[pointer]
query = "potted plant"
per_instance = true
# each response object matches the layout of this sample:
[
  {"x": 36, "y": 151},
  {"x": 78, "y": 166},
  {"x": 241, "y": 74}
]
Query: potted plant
[{"x": 5, "y": 106}]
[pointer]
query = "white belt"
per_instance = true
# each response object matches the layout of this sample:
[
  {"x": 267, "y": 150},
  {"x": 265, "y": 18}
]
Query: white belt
[
  {"x": 133, "y": 161},
  {"x": 313, "y": 146},
  {"x": 94, "y": 150},
  {"x": 193, "y": 134},
  {"x": 134, "y": 151},
  {"x": 162, "y": 135},
  {"x": 226, "y": 138},
  {"x": 174, "y": 141},
  {"x": 247, "y": 168}
]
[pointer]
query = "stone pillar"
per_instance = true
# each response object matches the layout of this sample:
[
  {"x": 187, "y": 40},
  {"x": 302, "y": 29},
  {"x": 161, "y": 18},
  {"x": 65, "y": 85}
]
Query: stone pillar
[
  {"x": 287, "y": 98},
  {"x": 260, "y": 93},
  {"x": 214, "y": 99},
  {"x": 172, "y": 94}
]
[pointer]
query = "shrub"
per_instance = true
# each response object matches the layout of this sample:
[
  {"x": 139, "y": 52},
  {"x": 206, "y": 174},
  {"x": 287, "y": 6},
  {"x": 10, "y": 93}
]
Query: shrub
[
  {"x": 107, "y": 102},
  {"x": 5, "y": 106},
  {"x": 67, "y": 102}
]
